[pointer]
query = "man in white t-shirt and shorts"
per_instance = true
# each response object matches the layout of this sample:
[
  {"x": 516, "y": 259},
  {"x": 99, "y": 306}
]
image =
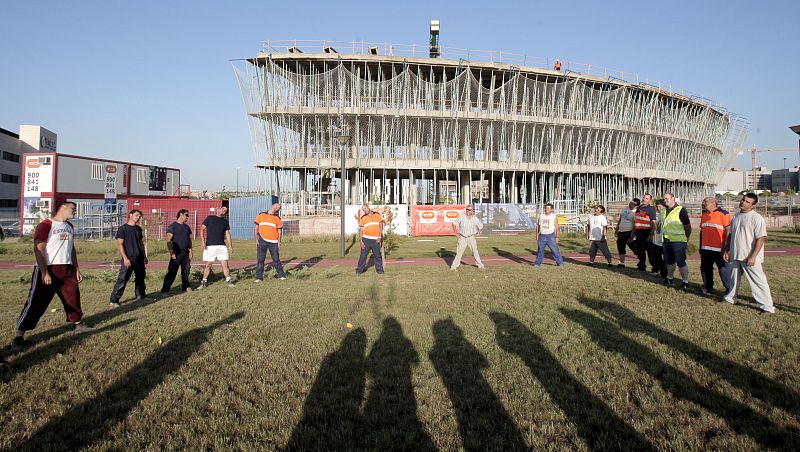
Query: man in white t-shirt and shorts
[
  {"x": 215, "y": 237},
  {"x": 55, "y": 273}
]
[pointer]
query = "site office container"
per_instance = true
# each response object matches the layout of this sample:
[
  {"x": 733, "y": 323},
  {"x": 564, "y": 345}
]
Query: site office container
[{"x": 158, "y": 214}]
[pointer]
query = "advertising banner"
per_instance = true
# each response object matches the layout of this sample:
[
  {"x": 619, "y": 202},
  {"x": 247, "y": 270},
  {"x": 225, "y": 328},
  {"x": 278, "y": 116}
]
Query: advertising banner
[
  {"x": 435, "y": 220},
  {"x": 38, "y": 179},
  {"x": 111, "y": 184},
  {"x": 396, "y": 216},
  {"x": 507, "y": 218}
]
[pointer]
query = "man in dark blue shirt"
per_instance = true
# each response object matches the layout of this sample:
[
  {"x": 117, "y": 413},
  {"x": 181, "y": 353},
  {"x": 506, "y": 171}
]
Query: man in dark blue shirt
[
  {"x": 132, "y": 252},
  {"x": 179, "y": 244},
  {"x": 215, "y": 237}
]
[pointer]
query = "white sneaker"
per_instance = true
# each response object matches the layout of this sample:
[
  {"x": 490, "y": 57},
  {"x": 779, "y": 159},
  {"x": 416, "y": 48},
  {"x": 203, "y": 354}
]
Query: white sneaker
[{"x": 729, "y": 300}]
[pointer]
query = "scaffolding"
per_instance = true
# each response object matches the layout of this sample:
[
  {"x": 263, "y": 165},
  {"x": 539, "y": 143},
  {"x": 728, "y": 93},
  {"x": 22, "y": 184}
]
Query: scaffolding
[{"x": 498, "y": 132}]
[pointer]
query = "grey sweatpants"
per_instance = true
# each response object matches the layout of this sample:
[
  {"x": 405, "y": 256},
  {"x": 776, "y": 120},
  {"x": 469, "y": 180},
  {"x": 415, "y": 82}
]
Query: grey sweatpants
[
  {"x": 463, "y": 242},
  {"x": 758, "y": 283}
]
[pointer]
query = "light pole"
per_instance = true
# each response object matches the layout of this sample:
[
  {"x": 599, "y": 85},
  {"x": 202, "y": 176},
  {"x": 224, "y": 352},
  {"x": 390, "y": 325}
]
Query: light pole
[
  {"x": 248, "y": 183},
  {"x": 796, "y": 129},
  {"x": 237, "y": 181},
  {"x": 342, "y": 138}
]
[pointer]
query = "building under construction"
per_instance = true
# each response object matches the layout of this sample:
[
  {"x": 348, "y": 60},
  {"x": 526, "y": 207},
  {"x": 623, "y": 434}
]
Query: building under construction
[{"x": 428, "y": 124}]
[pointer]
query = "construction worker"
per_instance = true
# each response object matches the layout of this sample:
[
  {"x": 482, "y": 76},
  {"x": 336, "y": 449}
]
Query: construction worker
[
  {"x": 371, "y": 230},
  {"x": 675, "y": 233},
  {"x": 557, "y": 66},
  {"x": 644, "y": 228},
  {"x": 714, "y": 226}
]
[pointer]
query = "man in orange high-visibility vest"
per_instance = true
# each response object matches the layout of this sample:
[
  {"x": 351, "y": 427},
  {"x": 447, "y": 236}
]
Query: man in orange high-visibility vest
[
  {"x": 371, "y": 229},
  {"x": 644, "y": 228},
  {"x": 714, "y": 226},
  {"x": 268, "y": 231}
]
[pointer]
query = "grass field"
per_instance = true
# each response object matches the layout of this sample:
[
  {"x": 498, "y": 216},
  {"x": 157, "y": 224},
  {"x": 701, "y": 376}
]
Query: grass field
[{"x": 511, "y": 357}]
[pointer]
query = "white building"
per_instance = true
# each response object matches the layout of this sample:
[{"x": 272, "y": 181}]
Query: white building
[
  {"x": 10, "y": 172},
  {"x": 733, "y": 181}
]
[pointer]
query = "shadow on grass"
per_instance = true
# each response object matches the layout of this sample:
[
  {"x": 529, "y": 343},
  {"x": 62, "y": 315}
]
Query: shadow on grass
[
  {"x": 746, "y": 379},
  {"x": 594, "y": 420},
  {"x": 787, "y": 308},
  {"x": 331, "y": 413},
  {"x": 60, "y": 346},
  {"x": 511, "y": 256},
  {"x": 308, "y": 263},
  {"x": 446, "y": 255},
  {"x": 740, "y": 417},
  {"x": 93, "y": 320},
  {"x": 390, "y": 413},
  {"x": 88, "y": 422},
  {"x": 482, "y": 420}
]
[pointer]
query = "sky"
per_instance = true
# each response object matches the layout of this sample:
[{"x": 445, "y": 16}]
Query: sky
[{"x": 151, "y": 81}]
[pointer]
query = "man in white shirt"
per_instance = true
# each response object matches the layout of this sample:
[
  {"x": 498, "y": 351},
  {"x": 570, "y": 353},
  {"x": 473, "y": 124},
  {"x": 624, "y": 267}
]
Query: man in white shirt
[
  {"x": 466, "y": 228},
  {"x": 548, "y": 234},
  {"x": 596, "y": 234},
  {"x": 744, "y": 251},
  {"x": 56, "y": 273}
]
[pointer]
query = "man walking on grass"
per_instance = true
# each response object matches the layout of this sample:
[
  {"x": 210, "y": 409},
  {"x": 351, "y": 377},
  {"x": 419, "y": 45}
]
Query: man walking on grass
[
  {"x": 179, "y": 245},
  {"x": 215, "y": 238},
  {"x": 134, "y": 259},
  {"x": 370, "y": 228},
  {"x": 548, "y": 234},
  {"x": 466, "y": 228},
  {"x": 675, "y": 232},
  {"x": 644, "y": 228},
  {"x": 56, "y": 273},
  {"x": 624, "y": 231},
  {"x": 714, "y": 225},
  {"x": 267, "y": 234},
  {"x": 744, "y": 250}
]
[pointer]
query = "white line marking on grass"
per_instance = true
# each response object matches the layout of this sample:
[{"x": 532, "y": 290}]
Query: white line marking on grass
[{"x": 426, "y": 240}]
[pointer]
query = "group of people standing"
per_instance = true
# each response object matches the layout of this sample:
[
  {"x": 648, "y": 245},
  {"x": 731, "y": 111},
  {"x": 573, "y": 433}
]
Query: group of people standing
[{"x": 659, "y": 235}]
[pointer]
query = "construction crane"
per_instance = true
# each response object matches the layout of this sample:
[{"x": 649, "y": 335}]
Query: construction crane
[{"x": 754, "y": 157}]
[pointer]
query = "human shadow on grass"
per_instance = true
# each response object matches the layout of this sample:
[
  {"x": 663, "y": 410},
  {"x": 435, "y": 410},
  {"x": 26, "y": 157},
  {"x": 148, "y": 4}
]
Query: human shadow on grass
[
  {"x": 84, "y": 424},
  {"x": 331, "y": 412},
  {"x": 750, "y": 381},
  {"x": 446, "y": 255},
  {"x": 308, "y": 263},
  {"x": 599, "y": 426},
  {"x": 483, "y": 422},
  {"x": 740, "y": 418},
  {"x": 511, "y": 256},
  {"x": 390, "y": 412},
  {"x": 787, "y": 308},
  {"x": 60, "y": 346},
  {"x": 93, "y": 319}
]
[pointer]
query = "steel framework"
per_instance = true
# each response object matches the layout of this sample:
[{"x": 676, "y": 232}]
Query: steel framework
[{"x": 497, "y": 132}]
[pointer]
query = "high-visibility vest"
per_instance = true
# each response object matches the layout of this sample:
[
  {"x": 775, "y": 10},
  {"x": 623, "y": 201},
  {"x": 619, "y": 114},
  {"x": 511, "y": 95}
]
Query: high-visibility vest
[
  {"x": 371, "y": 225},
  {"x": 641, "y": 220},
  {"x": 268, "y": 227},
  {"x": 673, "y": 230},
  {"x": 713, "y": 225}
]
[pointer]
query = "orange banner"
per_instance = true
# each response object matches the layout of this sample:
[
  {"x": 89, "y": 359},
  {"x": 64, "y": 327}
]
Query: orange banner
[{"x": 435, "y": 220}]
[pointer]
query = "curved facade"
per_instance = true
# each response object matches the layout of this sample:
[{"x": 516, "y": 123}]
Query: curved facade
[{"x": 440, "y": 130}]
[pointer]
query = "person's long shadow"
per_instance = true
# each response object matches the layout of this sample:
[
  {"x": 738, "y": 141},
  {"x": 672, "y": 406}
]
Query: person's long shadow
[
  {"x": 746, "y": 379},
  {"x": 511, "y": 256},
  {"x": 331, "y": 412},
  {"x": 595, "y": 421},
  {"x": 482, "y": 420},
  {"x": 93, "y": 319},
  {"x": 740, "y": 417},
  {"x": 30, "y": 360},
  {"x": 88, "y": 422},
  {"x": 446, "y": 255},
  {"x": 390, "y": 413},
  {"x": 308, "y": 263}
]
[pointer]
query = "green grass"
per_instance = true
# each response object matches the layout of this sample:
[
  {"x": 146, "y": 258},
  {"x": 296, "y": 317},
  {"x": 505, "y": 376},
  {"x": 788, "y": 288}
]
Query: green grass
[
  {"x": 299, "y": 249},
  {"x": 510, "y": 357}
]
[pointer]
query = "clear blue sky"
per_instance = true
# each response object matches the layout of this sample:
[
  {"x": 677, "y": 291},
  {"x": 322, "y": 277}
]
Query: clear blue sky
[{"x": 150, "y": 81}]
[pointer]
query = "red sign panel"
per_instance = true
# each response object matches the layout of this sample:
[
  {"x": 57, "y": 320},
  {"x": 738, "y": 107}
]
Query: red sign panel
[{"x": 435, "y": 220}]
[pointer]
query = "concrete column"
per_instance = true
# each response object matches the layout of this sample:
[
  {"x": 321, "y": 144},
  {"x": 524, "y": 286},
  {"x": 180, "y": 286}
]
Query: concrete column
[
  {"x": 465, "y": 195},
  {"x": 354, "y": 187}
]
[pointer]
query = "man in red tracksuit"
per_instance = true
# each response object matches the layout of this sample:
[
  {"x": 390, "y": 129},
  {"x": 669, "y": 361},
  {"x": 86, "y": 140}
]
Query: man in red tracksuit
[{"x": 55, "y": 273}]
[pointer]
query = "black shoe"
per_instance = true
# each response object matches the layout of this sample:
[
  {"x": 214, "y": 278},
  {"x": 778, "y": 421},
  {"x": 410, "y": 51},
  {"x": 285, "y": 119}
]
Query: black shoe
[
  {"x": 621, "y": 265},
  {"x": 18, "y": 343},
  {"x": 685, "y": 285},
  {"x": 610, "y": 264},
  {"x": 654, "y": 270},
  {"x": 590, "y": 264},
  {"x": 642, "y": 269},
  {"x": 667, "y": 281}
]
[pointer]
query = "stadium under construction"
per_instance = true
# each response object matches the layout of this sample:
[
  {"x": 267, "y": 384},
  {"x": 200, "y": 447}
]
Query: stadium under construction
[{"x": 429, "y": 125}]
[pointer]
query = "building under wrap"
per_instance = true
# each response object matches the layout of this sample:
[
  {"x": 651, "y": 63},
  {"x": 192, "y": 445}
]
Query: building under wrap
[{"x": 472, "y": 127}]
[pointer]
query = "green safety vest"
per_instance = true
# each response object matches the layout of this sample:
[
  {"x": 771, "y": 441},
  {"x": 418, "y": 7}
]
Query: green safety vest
[{"x": 673, "y": 228}]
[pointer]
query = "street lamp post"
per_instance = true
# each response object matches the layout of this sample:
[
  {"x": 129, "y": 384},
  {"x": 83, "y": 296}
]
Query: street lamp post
[
  {"x": 342, "y": 138},
  {"x": 248, "y": 183},
  {"x": 237, "y": 181}
]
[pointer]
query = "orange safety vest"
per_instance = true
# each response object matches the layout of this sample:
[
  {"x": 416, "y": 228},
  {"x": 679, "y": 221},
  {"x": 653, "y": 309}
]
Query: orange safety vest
[
  {"x": 268, "y": 227},
  {"x": 557, "y": 65},
  {"x": 641, "y": 220},
  {"x": 713, "y": 229},
  {"x": 371, "y": 225}
]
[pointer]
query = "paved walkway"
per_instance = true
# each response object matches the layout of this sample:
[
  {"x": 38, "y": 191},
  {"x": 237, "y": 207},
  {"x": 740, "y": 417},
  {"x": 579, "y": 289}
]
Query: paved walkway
[{"x": 290, "y": 264}]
